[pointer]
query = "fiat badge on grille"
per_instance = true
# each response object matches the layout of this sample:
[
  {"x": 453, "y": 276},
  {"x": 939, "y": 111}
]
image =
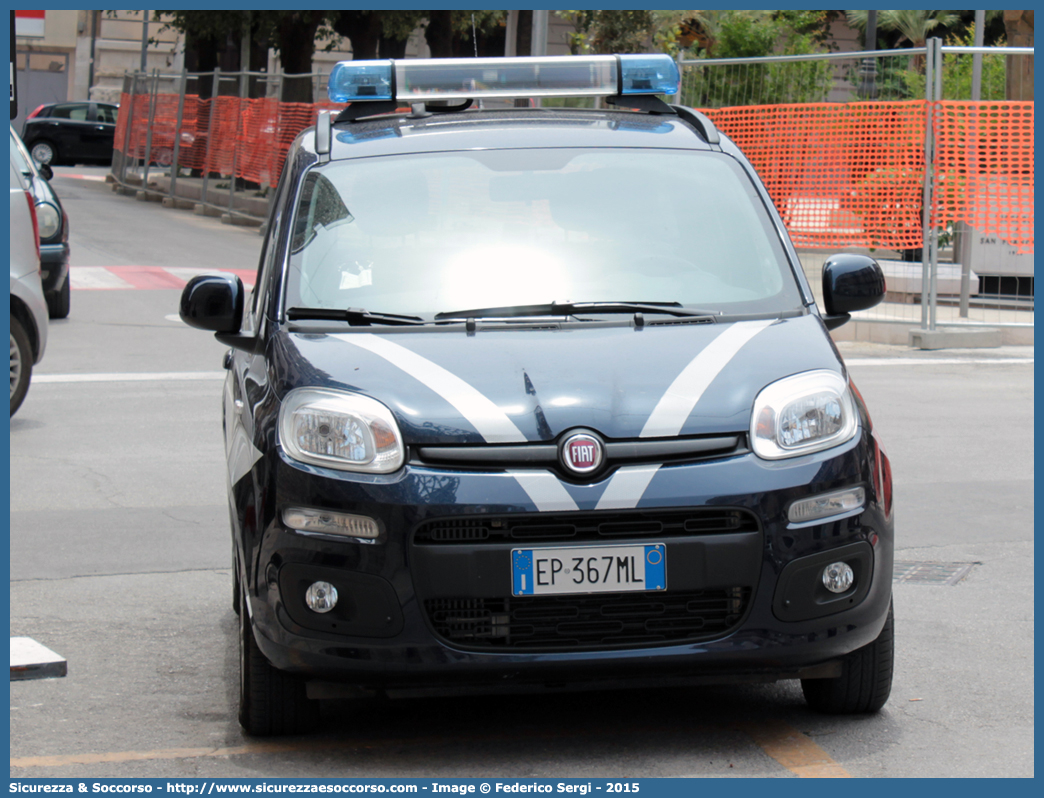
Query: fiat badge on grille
[{"x": 582, "y": 453}]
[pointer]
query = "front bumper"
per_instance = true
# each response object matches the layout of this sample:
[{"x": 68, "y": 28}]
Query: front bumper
[
  {"x": 54, "y": 265},
  {"x": 420, "y": 611}
]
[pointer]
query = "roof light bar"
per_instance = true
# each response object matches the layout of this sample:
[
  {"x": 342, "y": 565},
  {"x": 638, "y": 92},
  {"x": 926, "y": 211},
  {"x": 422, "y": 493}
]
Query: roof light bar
[
  {"x": 649, "y": 74},
  {"x": 464, "y": 78},
  {"x": 353, "y": 81}
]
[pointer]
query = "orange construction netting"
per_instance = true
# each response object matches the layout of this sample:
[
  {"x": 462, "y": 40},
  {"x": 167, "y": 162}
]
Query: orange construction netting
[
  {"x": 220, "y": 135},
  {"x": 984, "y": 168},
  {"x": 840, "y": 174}
]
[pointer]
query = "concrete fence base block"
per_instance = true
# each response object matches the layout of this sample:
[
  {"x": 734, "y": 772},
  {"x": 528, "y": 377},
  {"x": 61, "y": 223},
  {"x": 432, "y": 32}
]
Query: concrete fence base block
[
  {"x": 180, "y": 204},
  {"x": 201, "y": 209},
  {"x": 228, "y": 218},
  {"x": 31, "y": 660},
  {"x": 950, "y": 338}
]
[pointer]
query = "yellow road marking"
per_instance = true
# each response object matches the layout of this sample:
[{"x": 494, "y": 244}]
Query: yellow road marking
[
  {"x": 164, "y": 753},
  {"x": 793, "y": 750}
]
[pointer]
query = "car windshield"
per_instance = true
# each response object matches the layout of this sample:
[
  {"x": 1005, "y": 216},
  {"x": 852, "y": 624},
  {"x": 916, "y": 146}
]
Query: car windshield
[{"x": 428, "y": 233}]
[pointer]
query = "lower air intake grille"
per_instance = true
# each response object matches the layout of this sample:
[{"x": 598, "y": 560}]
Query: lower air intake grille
[
  {"x": 588, "y": 621},
  {"x": 585, "y": 526}
]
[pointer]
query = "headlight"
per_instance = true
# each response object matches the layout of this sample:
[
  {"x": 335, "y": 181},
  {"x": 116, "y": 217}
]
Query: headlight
[
  {"x": 340, "y": 430},
  {"x": 49, "y": 220},
  {"x": 801, "y": 414}
]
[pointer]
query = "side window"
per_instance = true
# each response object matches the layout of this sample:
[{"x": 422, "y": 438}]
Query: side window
[
  {"x": 320, "y": 206},
  {"x": 75, "y": 112},
  {"x": 107, "y": 114}
]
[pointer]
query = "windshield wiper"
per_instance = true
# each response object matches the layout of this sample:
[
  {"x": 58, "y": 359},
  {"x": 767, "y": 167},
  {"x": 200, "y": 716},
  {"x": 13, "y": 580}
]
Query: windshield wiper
[
  {"x": 573, "y": 308},
  {"x": 357, "y": 317}
]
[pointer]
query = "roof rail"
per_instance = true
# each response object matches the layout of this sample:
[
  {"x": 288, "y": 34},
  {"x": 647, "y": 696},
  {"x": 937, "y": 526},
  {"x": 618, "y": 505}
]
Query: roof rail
[
  {"x": 323, "y": 135},
  {"x": 702, "y": 124}
]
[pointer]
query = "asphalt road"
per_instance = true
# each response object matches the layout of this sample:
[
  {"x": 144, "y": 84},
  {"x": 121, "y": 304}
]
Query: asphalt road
[{"x": 120, "y": 549}]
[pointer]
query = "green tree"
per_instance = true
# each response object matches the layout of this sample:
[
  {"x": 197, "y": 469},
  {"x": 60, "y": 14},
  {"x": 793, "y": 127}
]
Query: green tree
[
  {"x": 478, "y": 32},
  {"x": 610, "y": 31},
  {"x": 957, "y": 74},
  {"x": 213, "y": 39},
  {"x": 754, "y": 34},
  {"x": 376, "y": 34},
  {"x": 914, "y": 26},
  {"x": 1019, "y": 27},
  {"x": 293, "y": 35}
]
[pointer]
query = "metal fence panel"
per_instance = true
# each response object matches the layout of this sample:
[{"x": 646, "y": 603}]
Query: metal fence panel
[
  {"x": 888, "y": 151},
  {"x": 883, "y": 150}
]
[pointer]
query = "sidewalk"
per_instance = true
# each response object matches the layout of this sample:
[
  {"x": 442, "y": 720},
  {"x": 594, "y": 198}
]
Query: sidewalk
[
  {"x": 868, "y": 353},
  {"x": 244, "y": 207}
]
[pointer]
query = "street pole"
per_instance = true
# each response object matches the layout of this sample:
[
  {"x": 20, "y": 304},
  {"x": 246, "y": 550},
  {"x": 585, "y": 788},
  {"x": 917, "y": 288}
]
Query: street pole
[
  {"x": 538, "y": 45},
  {"x": 926, "y": 202},
  {"x": 976, "y": 87},
  {"x": 94, "y": 44},
  {"x": 177, "y": 134},
  {"x": 868, "y": 84},
  {"x": 144, "y": 38},
  {"x": 963, "y": 228},
  {"x": 511, "y": 37},
  {"x": 934, "y": 239},
  {"x": 244, "y": 59}
]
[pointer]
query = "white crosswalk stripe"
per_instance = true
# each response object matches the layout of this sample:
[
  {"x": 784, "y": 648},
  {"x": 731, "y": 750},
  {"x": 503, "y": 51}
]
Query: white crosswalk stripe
[{"x": 96, "y": 277}]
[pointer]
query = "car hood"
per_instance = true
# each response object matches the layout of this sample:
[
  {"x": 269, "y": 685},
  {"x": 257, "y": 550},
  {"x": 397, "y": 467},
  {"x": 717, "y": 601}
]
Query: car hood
[{"x": 531, "y": 384}]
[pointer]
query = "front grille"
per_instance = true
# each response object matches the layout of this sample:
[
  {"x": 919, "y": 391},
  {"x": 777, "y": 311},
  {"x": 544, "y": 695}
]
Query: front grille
[
  {"x": 587, "y": 621},
  {"x": 577, "y": 526}
]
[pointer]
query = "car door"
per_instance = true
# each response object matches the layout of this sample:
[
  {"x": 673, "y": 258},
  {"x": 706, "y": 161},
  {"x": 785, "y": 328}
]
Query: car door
[
  {"x": 68, "y": 126},
  {"x": 103, "y": 130}
]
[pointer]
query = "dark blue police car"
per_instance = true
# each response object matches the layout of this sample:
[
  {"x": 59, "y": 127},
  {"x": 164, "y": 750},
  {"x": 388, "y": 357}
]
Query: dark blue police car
[{"x": 541, "y": 395}]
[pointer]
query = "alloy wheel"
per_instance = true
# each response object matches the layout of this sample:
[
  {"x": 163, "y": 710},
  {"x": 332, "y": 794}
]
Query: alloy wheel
[{"x": 16, "y": 365}]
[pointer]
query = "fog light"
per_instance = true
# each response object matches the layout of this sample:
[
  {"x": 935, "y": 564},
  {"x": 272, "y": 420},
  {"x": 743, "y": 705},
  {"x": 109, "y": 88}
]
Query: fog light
[
  {"x": 837, "y": 577},
  {"x": 321, "y": 597},
  {"x": 826, "y": 505}
]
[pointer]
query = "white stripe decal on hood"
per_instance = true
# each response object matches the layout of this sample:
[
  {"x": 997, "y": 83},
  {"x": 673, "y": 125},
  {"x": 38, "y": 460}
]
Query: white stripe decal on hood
[
  {"x": 491, "y": 422},
  {"x": 675, "y": 407},
  {"x": 549, "y": 494},
  {"x": 626, "y": 488},
  {"x": 545, "y": 490}
]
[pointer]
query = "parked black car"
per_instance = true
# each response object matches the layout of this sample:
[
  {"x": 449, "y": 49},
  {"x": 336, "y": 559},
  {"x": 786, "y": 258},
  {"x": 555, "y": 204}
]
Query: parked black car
[
  {"x": 71, "y": 132},
  {"x": 53, "y": 223}
]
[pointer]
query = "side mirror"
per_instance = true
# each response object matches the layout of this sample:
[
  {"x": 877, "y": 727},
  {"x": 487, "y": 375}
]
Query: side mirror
[
  {"x": 850, "y": 283},
  {"x": 215, "y": 302},
  {"x": 45, "y": 170}
]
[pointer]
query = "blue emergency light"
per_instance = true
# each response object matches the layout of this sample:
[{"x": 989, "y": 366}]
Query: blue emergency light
[{"x": 466, "y": 78}]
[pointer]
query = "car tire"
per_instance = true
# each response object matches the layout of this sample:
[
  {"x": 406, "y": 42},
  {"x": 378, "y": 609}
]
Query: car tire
[
  {"x": 21, "y": 364},
  {"x": 58, "y": 302},
  {"x": 236, "y": 593},
  {"x": 865, "y": 681},
  {"x": 44, "y": 151},
  {"x": 271, "y": 702}
]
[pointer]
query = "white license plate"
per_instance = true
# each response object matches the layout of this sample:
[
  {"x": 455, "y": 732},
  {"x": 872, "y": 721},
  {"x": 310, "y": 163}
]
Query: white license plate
[{"x": 588, "y": 569}]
